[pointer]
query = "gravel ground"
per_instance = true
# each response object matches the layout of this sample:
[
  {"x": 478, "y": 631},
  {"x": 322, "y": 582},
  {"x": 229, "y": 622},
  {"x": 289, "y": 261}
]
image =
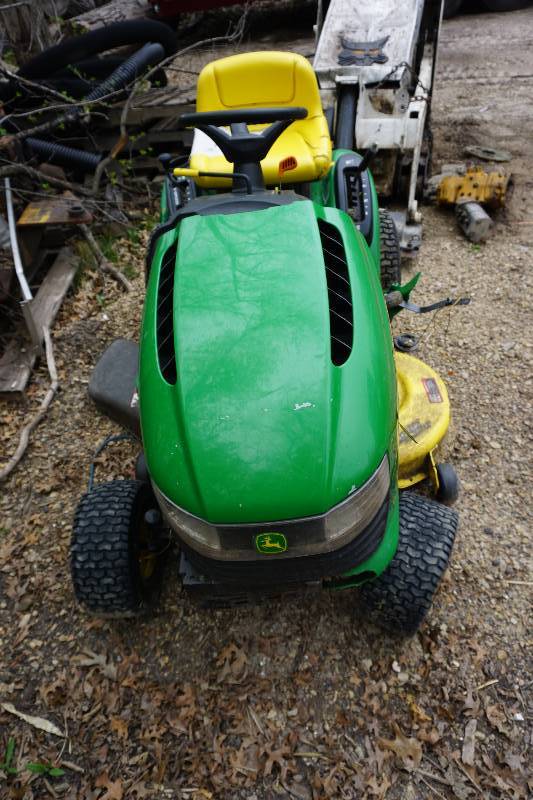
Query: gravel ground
[{"x": 304, "y": 699}]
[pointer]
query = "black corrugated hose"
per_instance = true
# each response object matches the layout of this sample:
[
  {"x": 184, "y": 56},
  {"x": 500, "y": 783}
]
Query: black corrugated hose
[
  {"x": 147, "y": 56},
  {"x": 127, "y": 72},
  {"x": 57, "y": 153}
]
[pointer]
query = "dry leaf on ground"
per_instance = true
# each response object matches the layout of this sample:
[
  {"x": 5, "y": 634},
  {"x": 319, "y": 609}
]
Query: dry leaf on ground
[
  {"x": 36, "y": 722},
  {"x": 469, "y": 743},
  {"x": 114, "y": 789},
  {"x": 408, "y": 750}
]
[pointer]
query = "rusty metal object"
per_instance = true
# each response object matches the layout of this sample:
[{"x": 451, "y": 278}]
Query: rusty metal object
[
  {"x": 476, "y": 186},
  {"x": 474, "y": 221},
  {"x": 488, "y": 153},
  {"x": 64, "y": 209}
]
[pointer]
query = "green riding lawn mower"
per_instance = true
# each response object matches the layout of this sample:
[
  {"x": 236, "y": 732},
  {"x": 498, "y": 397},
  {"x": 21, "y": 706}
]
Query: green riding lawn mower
[{"x": 282, "y": 435}]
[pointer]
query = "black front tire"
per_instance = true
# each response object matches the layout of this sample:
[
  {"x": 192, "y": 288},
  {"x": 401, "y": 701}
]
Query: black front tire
[
  {"x": 390, "y": 265},
  {"x": 401, "y": 597},
  {"x": 448, "y": 491},
  {"x": 110, "y": 539}
]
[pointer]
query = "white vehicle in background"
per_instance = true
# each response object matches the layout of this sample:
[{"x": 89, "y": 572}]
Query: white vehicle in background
[{"x": 375, "y": 62}]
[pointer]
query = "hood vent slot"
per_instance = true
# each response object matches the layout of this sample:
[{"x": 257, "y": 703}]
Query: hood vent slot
[
  {"x": 339, "y": 292},
  {"x": 165, "y": 316}
]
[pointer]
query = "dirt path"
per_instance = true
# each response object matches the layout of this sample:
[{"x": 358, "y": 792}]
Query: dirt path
[{"x": 302, "y": 700}]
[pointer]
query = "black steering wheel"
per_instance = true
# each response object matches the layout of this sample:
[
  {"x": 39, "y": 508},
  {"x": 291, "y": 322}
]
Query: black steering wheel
[{"x": 241, "y": 147}]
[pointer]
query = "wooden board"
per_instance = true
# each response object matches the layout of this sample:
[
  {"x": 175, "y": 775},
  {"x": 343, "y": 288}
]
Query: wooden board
[
  {"x": 16, "y": 365},
  {"x": 155, "y": 104},
  {"x": 19, "y": 357},
  {"x": 53, "y": 289}
]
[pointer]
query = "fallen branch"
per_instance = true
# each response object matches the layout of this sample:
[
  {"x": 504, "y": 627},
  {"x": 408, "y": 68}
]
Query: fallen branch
[
  {"x": 486, "y": 684},
  {"x": 312, "y": 754},
  {"x": 18, "y": 169},
  {"x": 467, "y": 775},
  {"x": 39, "y": 87},
  {"x": 435, "y": 791},
  {"x": 433, "y": 777},
  {"x": 49, "y": 396},
  {"x": 102, "y": 262},
  {"x": 71, "y": 766}
]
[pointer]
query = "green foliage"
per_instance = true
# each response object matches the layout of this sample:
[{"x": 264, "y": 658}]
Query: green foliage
[
  {"x": 129, "y": 271},
  {"x": 133, "y": 235},
  {"x": 107, "y": 246},
  {"x": 10, "y": 58},
  {"x": 45, "y": 769},
  {"x": 5, "y": 766},
  {"x": 86, "y": 260},
  {"x": 37, "y": 768},
  {"x": 125, "y": 165}
]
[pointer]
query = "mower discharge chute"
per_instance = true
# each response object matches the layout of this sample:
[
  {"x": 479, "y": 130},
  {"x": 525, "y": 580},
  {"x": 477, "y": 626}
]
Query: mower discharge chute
[{"x": 267, "y": 385}]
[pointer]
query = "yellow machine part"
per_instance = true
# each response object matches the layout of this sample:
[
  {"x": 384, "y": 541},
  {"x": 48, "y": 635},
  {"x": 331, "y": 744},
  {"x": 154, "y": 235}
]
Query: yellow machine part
[
  {"x": 424, "y": 417},
  {"x": 476, "y": 185},
  {"x": 262, "y": 80}
]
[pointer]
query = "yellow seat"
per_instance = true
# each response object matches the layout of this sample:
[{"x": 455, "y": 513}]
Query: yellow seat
[
  {"x": 424, "y": 417},
  {"x": 261, "y": 80}
]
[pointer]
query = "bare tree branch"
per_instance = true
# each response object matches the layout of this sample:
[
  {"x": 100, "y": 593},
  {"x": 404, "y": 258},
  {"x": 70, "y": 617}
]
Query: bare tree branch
[
  {"x": 102, "y": 262},
  {"x": 42, "y": 89},
  {"x": 15, "y": 5},
  {"x": 231, "y": 36},
  {"x": 49, "y": 396},
  {"x": 18, "y": 169}
]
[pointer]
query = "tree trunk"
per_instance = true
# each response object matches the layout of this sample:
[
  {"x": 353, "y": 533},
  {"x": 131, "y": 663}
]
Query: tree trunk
[{"x": 114, "y": 11}]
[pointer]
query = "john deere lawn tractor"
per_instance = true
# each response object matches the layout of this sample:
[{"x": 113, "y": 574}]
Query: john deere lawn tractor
[{"x": 277, "y": 423}]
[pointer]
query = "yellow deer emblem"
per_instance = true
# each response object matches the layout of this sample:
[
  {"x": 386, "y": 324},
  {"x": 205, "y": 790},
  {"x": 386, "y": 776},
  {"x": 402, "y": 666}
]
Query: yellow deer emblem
[{"x": 271, "y": 543}]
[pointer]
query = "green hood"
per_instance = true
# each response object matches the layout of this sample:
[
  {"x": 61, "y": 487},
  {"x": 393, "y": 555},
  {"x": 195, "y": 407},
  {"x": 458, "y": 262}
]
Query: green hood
[{"x": 260, "y": 425}]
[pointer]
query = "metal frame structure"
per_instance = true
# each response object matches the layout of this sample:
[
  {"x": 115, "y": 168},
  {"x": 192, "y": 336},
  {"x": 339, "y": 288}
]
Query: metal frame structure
[{"x": 375, "y": 61}]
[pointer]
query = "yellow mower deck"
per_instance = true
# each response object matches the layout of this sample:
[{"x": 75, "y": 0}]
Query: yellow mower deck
[{"x": 424, "y": 416}]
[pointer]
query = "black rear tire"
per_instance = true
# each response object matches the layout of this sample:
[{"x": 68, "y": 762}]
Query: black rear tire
[
  {"x": 401, "y": 597},
  {"x": 451, "y": 8},
  {"x": 110, "y": 549},
  {"x": 345, "y": 119},
  {"x": 506, "y": 5},
  {"x": 390, "y": 266}
]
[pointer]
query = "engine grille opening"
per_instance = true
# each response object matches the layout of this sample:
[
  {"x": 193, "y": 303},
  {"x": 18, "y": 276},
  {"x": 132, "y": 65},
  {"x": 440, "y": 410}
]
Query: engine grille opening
[
  {"x": 165, "y": 317},
  {"x": 339, "y": 292}
]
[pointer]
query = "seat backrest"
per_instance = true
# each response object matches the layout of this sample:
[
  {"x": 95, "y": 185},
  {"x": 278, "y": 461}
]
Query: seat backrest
[{"x": 261, "y": 79}]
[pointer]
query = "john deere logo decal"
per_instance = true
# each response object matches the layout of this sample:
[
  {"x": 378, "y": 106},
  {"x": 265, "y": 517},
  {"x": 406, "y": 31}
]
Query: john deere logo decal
[{"x": 271, "y": 543}]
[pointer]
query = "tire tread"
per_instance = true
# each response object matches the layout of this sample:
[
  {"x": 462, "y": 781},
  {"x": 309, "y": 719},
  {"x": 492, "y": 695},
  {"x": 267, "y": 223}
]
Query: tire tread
[
  {"x": 400, "y": 598},
  {"x": 390, "y": 264},
  {"x": 104, "y": 574}
]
